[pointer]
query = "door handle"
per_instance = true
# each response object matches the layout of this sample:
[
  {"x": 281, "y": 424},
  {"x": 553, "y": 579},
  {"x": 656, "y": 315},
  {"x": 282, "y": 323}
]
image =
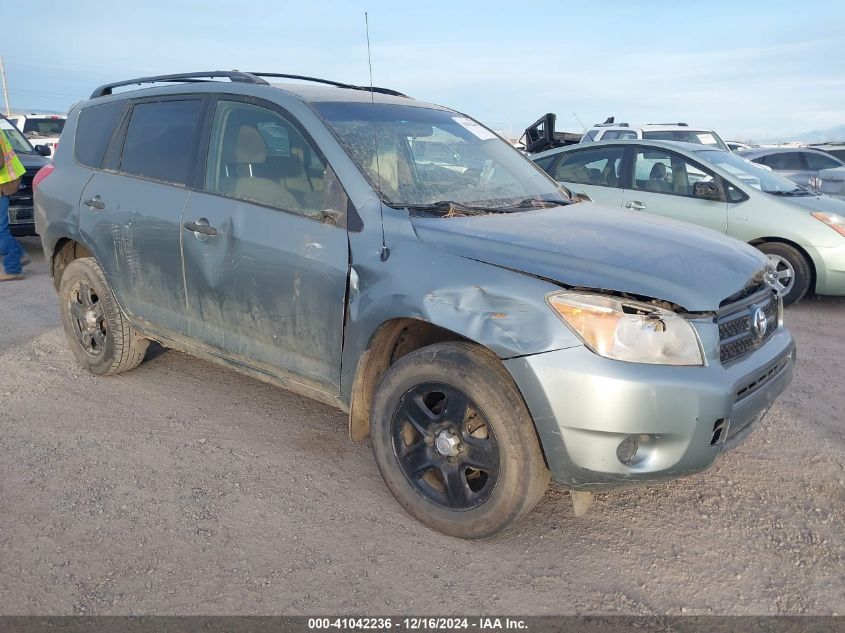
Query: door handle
[
  {"x": 635, "y": 204},
  {"x": 201, "y": 227},
  {"x": 95, "y": 203}
]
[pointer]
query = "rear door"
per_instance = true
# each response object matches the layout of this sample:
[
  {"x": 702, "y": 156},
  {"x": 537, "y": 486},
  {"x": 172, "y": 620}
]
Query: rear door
[
  {"x": 662, "y": 182},
  {"x": 131, "y": 210},
  {"x": 266, "y": 255},
  {"x": 592, "y": 171}
]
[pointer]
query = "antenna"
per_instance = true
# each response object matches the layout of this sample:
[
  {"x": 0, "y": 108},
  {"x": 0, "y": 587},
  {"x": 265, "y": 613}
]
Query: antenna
[
  {"x": 579, "y": 121},
  {"x": 385, "y": 252}
]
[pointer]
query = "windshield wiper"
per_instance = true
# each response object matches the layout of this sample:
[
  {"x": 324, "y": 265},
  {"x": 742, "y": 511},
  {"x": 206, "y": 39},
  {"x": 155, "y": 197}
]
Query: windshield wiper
[
  {"x": 538, "y": 203},
  {"x": 798, "y": 191},
  {"x": 452, "y": 208}
]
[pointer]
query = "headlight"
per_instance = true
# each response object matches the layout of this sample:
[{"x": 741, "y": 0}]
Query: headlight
[
  {"x": 628, "y": 330},
  {"x": 834, "y": 221}
]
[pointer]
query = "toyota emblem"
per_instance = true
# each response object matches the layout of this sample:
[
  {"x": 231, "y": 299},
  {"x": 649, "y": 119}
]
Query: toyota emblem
[{"x": 759, "y": 323}]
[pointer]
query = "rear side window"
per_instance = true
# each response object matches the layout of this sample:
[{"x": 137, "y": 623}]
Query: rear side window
[
  {"x": 783, "y": 160},
  {"x": 595, "y": 166},
  {"x": 94, "y": 131},
  {"x": 815, "y": 162},
  {"x": 589, "y": 136},
  {"x": 546, "y": 162},
  {"x": 160, "y": 140}
]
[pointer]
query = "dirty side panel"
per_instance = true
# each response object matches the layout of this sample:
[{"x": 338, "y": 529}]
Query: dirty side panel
[
  {"x": 136, "y": 240},
  {"x": 269, "y": 287}
]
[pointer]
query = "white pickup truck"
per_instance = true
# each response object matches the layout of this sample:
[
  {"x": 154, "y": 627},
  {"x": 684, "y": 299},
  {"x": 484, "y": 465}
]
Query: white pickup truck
[{"x": 41, "y": 129}]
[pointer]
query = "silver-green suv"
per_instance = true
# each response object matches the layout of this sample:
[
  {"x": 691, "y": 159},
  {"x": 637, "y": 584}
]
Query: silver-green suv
[
  {"x": 803, "y": 233},
  {"x": 401, "y": 262}
]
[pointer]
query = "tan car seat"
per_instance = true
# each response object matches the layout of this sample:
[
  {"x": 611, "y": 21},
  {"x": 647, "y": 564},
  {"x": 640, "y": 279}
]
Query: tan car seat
[{"x": 250, "y": 151}]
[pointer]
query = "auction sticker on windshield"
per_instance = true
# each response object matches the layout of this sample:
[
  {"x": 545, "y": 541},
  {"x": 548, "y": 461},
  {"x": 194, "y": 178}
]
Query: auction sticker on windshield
[
  {"x": 706, "y": 139},
  {"x": 477, "y": 130}
]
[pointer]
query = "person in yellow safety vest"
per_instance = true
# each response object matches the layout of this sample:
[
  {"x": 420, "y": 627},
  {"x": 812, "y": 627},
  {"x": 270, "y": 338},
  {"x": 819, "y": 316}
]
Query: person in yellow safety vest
[{"x": 11, "y": 171}]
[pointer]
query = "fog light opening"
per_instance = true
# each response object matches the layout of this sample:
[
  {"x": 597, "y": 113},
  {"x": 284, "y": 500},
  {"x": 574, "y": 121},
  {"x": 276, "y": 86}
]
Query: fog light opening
[
  {"x": 720, "y": 429},
  {"x": 626, "y": 452}
]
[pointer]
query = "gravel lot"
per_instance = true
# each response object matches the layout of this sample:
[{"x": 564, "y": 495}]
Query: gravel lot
[{"x": 184, "y": 488}]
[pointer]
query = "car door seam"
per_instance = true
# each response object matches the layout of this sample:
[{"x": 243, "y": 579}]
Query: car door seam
[{"x": 182, "y": 249}]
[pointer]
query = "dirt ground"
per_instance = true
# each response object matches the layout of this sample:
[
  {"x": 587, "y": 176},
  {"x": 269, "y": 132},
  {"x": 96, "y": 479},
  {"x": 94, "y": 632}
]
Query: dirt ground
[{"x": 184, "y": 488}]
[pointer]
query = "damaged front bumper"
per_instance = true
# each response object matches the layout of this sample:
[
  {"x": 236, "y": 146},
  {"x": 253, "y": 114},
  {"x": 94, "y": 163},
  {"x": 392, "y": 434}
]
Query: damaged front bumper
[{"x": 674, "y": 420}]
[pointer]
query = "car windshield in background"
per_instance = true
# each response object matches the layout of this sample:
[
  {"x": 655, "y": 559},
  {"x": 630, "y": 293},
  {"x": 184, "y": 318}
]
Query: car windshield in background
[
  {"x": 699, "y": 137},
  {"x": 439, "y": 160},
  {"x": 753, "y": 175},
  {"x": 17, "y": 140},
  {"x": 47, "y": 126}
]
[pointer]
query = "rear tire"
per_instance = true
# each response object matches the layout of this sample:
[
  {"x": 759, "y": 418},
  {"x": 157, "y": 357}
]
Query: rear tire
[
  {"x": 471, "y": 463},
  {"x": 795, "y": 273},
  {"x": 99, "y": 335}
]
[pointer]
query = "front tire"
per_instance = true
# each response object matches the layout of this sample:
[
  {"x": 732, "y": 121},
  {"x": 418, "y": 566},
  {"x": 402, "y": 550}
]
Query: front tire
[
  {"x": 793, "y": 269},
  {"x": 454, "y": 441},
  {"x": 99, "y": 335}
]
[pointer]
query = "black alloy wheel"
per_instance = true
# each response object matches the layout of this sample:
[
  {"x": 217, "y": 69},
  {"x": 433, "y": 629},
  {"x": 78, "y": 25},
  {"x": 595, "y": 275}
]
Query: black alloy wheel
[{"x": 445, "y": 446}]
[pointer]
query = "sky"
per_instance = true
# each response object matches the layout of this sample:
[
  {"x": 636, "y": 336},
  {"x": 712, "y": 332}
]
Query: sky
[{"x": 751, "y": 70}]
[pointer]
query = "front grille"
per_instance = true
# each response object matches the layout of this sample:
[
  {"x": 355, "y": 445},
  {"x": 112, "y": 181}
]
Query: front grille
[
  {"x": 738, "y": 335},
  {"x": 763, "y": 378},
  {"x": 23, "y": 197}
]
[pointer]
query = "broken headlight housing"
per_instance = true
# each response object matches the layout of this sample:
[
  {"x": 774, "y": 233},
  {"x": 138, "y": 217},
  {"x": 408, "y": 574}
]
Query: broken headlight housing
[{"x": 628, "y": 330}]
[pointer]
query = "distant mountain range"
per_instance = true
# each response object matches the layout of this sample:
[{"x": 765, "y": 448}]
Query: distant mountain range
[{"x": 816, "y": 136}]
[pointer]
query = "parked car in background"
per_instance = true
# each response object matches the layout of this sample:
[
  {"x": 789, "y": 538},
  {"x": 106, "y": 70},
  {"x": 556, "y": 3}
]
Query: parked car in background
[
  {"x": 802, "y": 233},
  {"x": 798, "y": 164},
  {"x": 830, "y": 182},
  {"x": 611, "y": 131},
  {"x": 41, "y": 129},
  {"x": 21, "y": 220},
  {"x": 837, "y": 150},
  {"x": 736, "y": 146},
  {"x": 482, "y": 329}
]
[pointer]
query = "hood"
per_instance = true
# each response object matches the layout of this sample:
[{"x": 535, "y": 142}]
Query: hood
[
  {"x": 597, "y": 247},
  {"x": 33, "y": 161},
  {"x": 827, "y": 204}
]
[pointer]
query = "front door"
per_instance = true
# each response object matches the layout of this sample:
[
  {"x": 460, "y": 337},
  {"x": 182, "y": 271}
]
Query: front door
[
  {"x": 131, "y": 213},
  {"x": 662, "y": 182},
  {"x": 265, "y": 257}
]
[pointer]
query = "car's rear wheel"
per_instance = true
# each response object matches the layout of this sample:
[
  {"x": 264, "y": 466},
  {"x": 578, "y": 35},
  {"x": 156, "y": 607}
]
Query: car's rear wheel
[
  {"x": 100, "y": 337},
  {"x": 454, "y": 441},
  {"x": 794, "y": 274}
]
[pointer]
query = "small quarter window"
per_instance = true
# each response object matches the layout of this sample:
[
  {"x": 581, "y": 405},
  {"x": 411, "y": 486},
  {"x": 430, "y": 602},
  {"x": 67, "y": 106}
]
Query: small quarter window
[{"x": 94, "y": 130}]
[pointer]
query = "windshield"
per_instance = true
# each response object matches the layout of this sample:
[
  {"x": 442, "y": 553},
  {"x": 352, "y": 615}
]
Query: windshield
[
  {"x": 699, "y": 137},
  {"x": 17, "y": 140},
  {"x": 752, "y": 174},
  {"x": 425, "y": 158},
  {"x": 43, "y": 126}
]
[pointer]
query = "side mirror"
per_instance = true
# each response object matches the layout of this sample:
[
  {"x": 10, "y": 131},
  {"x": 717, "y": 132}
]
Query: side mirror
[
  {"x": 707, "y": 190},
  {"x": 43, "y": 150}
]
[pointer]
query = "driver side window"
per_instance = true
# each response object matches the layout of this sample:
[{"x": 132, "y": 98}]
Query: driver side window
[
  {"x": 661, "y": 171},
  {"x": 257, "y": 155}
]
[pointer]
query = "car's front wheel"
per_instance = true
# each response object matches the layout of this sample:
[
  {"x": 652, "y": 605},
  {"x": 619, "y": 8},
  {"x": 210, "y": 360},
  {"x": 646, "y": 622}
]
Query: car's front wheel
[
  {"x": 794, "y": 274},
  {"x": 454, "y": 441},
  {"x": 100, "y": 337}
]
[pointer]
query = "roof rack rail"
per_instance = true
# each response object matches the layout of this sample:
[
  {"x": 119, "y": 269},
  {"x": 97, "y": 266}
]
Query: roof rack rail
[
  {"x": 232, "y": 75},
  {"x": 338, "y": 84},
  {"x": 673, "y": 123}
]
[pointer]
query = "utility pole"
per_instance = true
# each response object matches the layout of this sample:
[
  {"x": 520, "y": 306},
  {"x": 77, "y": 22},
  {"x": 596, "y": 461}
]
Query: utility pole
[{"x": 5, "y": 87}]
